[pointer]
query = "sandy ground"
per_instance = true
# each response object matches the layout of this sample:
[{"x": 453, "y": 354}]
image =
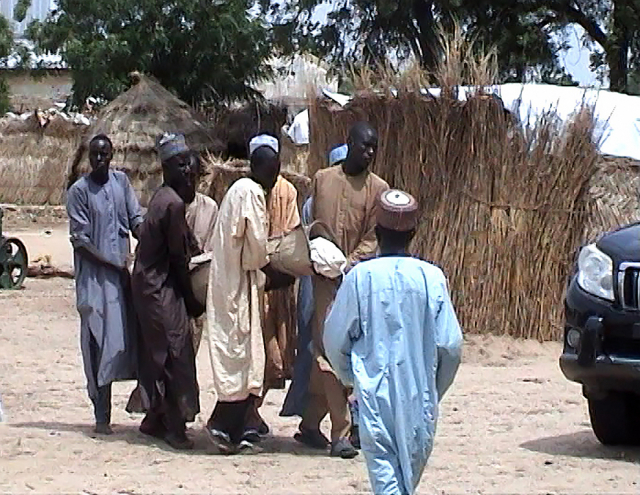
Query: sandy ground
[{"x": 510, "y": 424}]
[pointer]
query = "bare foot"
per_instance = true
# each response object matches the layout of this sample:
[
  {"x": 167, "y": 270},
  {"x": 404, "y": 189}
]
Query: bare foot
[{"x": 103, "y": 429}]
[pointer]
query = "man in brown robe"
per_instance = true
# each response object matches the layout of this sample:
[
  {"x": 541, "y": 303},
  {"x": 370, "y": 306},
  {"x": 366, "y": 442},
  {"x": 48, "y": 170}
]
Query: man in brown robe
[
  {"x": 164, "y": 302},
  {"x": 344, "y": 198}
]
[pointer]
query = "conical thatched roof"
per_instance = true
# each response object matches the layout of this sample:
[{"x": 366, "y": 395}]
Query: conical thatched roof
[
  {"x": 132, "y": 121},
  {"x": 137, "y": 116}
]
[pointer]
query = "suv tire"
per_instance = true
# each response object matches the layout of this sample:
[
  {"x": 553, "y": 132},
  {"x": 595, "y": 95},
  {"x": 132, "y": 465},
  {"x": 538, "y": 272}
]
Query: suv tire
[{"x": 613, "y": 419}]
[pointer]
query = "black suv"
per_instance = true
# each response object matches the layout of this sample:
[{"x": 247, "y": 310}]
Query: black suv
[{"x": 602, "y": 334}]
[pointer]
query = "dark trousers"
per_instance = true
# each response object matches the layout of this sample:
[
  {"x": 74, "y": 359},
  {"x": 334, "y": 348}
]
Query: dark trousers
[
  {"x": 102, "y": 405},
  {"x": 102, "y": 400},
  {"x": 231, "y": 418},
  {"x": 165, "y": 418},
  {"x": 172, "y": 394}
]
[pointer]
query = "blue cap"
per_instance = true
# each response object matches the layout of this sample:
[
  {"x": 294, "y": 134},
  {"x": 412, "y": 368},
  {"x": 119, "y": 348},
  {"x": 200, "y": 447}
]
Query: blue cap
[{"x": 338, "y": 154}]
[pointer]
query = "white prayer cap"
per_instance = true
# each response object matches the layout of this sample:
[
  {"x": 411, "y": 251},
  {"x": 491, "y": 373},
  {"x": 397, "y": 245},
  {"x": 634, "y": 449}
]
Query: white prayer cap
[{"x": 263, "y": 140}]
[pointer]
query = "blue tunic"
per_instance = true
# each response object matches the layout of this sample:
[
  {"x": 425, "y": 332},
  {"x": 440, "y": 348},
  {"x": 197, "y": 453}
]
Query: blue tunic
[
  {"x": 298, "y": 394},
  {"x": 103, "y": 216},
  {"x": 392, "y": 333}
]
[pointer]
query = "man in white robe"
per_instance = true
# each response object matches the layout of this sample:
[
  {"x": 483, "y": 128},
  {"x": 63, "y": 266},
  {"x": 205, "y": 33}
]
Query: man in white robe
[
  {"x": 234, "y": 301},
  {"x": 392, "y": 333}
]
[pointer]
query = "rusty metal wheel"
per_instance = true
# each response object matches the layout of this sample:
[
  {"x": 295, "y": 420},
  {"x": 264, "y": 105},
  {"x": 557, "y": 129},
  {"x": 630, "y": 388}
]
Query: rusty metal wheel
[{"x": 13, "y": 263}]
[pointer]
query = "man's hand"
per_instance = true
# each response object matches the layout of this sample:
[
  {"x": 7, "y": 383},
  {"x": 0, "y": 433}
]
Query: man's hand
[
  {"x": 194, "y": 308},
  {"x": 276, "y": 279}
]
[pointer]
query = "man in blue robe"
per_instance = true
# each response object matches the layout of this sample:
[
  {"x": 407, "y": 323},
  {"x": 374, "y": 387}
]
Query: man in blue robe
[
  {"x": 103, "y": 209},
  {"x": 393, "y": 335}
]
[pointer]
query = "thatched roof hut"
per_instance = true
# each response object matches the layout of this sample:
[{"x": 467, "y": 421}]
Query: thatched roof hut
[
  {"x": 34, "y": 153},
  {"x": 132, "y": 121}
]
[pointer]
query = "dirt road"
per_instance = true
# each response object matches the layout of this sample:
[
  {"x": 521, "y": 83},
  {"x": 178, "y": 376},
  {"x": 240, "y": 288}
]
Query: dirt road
[{"x": 510, "y": 424}]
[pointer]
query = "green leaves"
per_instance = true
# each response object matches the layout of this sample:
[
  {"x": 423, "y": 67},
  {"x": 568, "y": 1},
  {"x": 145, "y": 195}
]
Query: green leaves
[
  {"x": 527, "y": 34},
  {"x": 201, "y": 50},
  {"x": 20, "y": 10}
]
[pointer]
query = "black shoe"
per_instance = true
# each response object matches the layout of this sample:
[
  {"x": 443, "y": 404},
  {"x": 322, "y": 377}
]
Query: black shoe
[
  {"x": 343, "y": 448},
  {"x": 354, "y": 438},
  {"x": 246, "y": 447},
  {"x": 310, "y": 438},
  {"x": 251, "y": 436},
  {"x": 221, "y": 440}
]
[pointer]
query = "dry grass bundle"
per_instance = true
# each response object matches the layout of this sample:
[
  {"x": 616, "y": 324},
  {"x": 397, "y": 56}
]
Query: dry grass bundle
[
  {"x": 615, "y": 192},
  {"x": 219, "y": 175},
  {"x": 33, "y": 161},
  {"x": 503, "y": 208},
  {"x": 293, "y": 157},
  {"x": 132, "y": 121}
]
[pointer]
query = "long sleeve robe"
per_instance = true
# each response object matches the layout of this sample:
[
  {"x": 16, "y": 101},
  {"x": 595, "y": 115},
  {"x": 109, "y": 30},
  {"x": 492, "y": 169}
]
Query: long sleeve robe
[
  {"x": 160, "y": 295},
  {"x": 347, "y": 205},
  {"x": 280, "y": 308},
  {"x": 393, "y": 334},
  {"x": 234, "y": 298},
  {"x": 102, "y": 216},
  {"x": 298, "y": 393},
  {"x": 201, "y": 218}
]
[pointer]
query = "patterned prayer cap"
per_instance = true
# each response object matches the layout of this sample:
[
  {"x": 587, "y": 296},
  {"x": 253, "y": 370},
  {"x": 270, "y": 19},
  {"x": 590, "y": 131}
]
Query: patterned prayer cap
[
  {"x": 397, "y": 210},
  {"x": 170, "y": 145}
]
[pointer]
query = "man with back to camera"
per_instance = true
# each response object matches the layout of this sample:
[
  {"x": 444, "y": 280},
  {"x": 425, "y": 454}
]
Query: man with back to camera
[{"x": 392, "y": 333}]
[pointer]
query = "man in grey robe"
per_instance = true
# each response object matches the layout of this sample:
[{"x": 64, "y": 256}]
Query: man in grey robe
[{"x": 103, "y": 209}]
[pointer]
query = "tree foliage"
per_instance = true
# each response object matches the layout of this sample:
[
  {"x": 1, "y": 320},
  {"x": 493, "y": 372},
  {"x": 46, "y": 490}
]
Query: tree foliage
[
  {"x": 527, "y": 34},
  {"x": 6, "y": 48},
  {"x": 368, "y": 31},
  {"x": 201, "y": 50}
]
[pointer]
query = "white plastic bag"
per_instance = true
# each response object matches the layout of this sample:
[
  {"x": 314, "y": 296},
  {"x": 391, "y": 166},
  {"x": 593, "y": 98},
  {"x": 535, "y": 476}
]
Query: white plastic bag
[{"x": 327, "y": 258}]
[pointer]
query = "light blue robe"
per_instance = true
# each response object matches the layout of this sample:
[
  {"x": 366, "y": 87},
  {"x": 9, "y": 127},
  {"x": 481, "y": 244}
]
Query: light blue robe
[
  {"x": 103, "y": 215},
  {"x": 393, "y": 335}
]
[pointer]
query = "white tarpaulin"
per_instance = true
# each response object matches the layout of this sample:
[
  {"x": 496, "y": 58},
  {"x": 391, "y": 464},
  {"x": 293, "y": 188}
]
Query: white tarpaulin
[
  {"x": 617, "y": 115},
  {"x": 299, "y": 129}
]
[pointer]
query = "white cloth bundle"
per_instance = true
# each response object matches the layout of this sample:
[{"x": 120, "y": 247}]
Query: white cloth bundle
[{"x": 327, "y": 258}]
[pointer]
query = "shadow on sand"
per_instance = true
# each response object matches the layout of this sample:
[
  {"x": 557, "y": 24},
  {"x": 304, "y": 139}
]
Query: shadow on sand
[
  {"x": 582, "y": 444},
  {"x": 131, "y": 435}
]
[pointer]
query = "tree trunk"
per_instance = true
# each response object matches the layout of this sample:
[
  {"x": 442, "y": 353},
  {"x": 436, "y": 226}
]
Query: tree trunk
[
  {"x": 617, "y": 51},
  {"x": 428, "y": 40}
]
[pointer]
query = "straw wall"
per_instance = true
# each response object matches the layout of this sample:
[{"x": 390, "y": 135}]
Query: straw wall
[
  {"x": 219, "y": 176},
  {"x": 615, "y": 190},
  {"x": 33, "y": 162},
  {"x": 503, "y": 209}
]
